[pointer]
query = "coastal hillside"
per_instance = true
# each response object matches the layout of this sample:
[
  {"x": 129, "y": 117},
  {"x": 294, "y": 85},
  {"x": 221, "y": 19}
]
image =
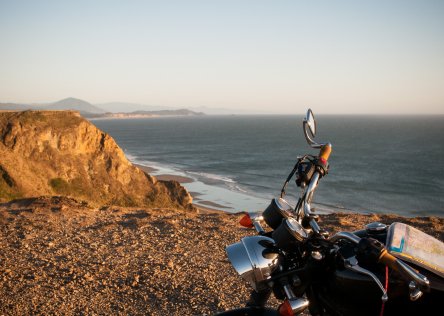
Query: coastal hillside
[
  {"x": 143, "y": 114},
  {"x": 61, "y": 153}
]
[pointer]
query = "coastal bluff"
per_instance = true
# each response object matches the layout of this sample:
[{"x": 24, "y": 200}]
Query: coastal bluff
[{"x": 47, "y": 153}]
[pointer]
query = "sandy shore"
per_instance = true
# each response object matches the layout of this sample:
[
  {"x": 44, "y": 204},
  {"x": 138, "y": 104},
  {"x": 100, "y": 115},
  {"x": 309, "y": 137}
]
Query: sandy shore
[
  {"x": 204, "y": 204},
  {"x": 61, "y": 257},
  {"x": 209, "y": 204},
  {"x": 165, "y": 177},
  {"x": 146, "y": 169},
  {"x": 180, "y": 179}
]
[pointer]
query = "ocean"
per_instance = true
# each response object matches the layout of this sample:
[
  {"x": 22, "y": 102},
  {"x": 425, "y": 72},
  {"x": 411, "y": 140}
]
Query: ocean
[{"x": 379, "y": 164}]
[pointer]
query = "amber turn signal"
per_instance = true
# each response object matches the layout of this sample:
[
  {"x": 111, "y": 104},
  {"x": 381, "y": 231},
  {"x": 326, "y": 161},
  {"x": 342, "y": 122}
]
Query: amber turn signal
[
  {"x": 246, "y": 221},
  {"x": 285, "y": 309}
]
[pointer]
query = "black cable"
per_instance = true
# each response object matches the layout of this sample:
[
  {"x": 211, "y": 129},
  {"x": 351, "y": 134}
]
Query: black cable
[{"x": 295, "y": 168}]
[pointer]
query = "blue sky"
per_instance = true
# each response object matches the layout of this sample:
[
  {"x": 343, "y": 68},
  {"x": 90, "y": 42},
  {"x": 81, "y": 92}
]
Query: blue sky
[{"x": 258, "y": 56}]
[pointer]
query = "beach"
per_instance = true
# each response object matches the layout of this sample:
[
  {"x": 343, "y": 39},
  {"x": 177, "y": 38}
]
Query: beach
[
  {"x": 197, "y": 196},
  {"x": 165, "y": 177}
]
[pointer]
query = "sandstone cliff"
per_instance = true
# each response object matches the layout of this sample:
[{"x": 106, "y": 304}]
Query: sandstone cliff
[{"x": 60, "y": 153}]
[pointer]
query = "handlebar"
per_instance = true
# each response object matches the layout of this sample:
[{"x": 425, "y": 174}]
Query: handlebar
[
  {"x": 324, "y": 154},
  {"x": 389, "y": 260},
  {"x": 403, "y": 268},
  {"x": 345, "y": 235},
  {"x": 307, "y": 200}
]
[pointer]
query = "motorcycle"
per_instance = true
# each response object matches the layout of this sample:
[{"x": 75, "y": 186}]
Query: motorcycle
[{"x": 380, "y": 270}]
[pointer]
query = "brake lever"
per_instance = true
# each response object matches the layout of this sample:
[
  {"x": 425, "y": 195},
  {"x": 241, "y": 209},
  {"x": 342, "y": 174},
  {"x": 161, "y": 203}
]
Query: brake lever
[
  {"x": 415, "y": 276},
  {"x": 352, "y": 264},
  {"x": 418, "y": 281}
]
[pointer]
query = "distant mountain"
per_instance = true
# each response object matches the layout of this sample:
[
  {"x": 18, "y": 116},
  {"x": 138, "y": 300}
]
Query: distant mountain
[
  {"x": 85, "y": 108},
  {"x": 74, "y": 104},
  {"x": 15, "y": 107},
  {"x": 113, "y": 109},
  {"x": 116, "y": 107}
]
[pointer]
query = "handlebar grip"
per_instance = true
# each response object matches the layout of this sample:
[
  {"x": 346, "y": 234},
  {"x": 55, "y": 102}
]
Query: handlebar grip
[
  {"x": 325, "y": 152},
  {"x": 407, "y": 272},
  {"x": 389, "y": 260}
]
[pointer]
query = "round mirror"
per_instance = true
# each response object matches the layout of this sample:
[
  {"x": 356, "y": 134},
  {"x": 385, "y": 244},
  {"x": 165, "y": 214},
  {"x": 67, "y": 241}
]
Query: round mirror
[
  {"x": 310, "y": 129},
  {"x": 311, "y": 122}
]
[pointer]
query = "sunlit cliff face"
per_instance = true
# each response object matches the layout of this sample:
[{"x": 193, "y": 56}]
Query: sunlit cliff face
[{"x": 60, "y": 153}]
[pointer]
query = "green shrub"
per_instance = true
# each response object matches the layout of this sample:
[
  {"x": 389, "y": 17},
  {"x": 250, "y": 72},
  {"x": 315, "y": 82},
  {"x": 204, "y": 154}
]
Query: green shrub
[{"x": 59, "y": 185}]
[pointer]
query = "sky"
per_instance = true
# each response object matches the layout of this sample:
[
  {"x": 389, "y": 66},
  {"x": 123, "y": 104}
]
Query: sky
[{"x": 256, "y": 56}]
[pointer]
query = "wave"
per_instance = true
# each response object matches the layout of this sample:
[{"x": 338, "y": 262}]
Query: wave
[
  {"x": 230, "y": 182},
  {"x": 236, "y": 187},
  {"x": 131, "y": 157},
  {"x": 212, "y": 176}
]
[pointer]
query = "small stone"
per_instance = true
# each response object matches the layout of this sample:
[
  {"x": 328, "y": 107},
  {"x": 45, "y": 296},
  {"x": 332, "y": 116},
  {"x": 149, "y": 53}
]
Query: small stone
[{"x": 88, "y": 277}]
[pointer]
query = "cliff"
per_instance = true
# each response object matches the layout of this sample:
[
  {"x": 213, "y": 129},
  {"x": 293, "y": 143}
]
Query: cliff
[{"x": 60, "y": 153}]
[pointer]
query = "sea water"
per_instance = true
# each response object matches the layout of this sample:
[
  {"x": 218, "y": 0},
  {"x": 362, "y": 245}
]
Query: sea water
[{"x": 382, "y": 164}]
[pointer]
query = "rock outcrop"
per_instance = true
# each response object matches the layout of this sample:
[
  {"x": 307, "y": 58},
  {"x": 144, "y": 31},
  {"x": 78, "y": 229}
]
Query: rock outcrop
[{"x": 61, "y": 153}]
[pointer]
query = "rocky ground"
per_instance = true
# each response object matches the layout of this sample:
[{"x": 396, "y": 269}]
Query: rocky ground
[{"x": 59, "y": 256}]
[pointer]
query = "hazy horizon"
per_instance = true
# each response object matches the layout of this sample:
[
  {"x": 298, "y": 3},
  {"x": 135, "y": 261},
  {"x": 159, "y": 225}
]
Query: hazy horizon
[{"x": 257, "y": 56}]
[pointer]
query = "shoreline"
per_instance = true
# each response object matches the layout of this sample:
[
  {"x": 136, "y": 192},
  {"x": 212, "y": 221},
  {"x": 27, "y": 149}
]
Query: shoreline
[
  {"x": 164, "y": 177},
  {"x": 206, "y": 203},
  {"x": 116, "y": 116},
  {"x": 207, "y": 191},
  {"x": 121, "y": 117},
  {"x": 198, "y": 202}
]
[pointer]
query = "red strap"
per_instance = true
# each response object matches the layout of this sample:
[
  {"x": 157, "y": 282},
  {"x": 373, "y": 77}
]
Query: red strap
[{"x": 386, "y": 288}]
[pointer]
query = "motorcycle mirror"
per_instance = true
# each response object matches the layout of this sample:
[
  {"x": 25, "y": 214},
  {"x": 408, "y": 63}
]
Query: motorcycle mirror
[
  {"x": 311, "y": 122},
  {"x": 310, "y": 129}
]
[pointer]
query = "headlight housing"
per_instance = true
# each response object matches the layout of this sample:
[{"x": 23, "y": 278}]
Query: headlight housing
[{"x": 254, "y": 259}]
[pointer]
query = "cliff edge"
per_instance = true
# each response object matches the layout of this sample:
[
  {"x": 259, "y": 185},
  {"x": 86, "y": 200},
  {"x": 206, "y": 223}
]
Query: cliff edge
[{"x": 61, "y": 153}]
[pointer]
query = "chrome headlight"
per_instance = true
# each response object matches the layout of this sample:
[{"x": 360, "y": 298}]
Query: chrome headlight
[{"x": 254, "y": 260}]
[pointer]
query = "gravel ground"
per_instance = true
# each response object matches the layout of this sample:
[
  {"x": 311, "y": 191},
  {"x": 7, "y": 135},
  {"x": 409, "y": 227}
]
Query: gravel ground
[{"x": 60, "y": 257}]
